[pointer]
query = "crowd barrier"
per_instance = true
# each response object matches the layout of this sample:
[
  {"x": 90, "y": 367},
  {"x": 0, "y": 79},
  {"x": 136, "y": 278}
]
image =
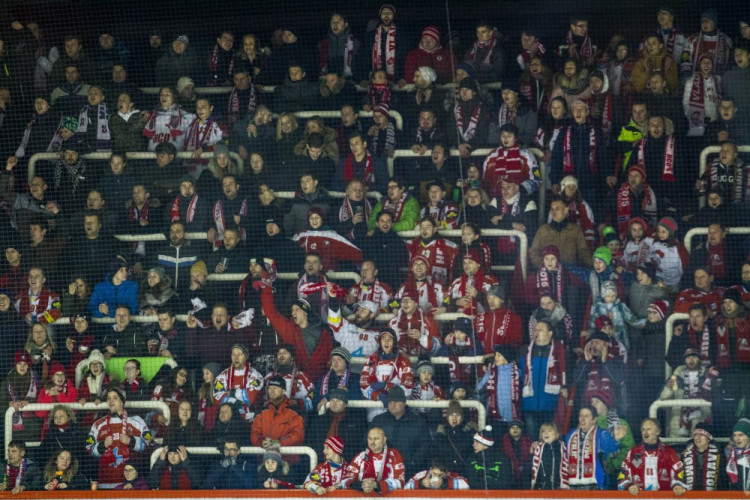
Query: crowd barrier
[
  {"x": 653, "y": 412},
  {"x": 700, "y": 231},
  {"x": 362, "y": 403},
  {"x": 246, "y": 450},
  {"x": 105, "y": 155},
  {"x": 269, "y": 89},
  {"x": 139, "y": 405}
]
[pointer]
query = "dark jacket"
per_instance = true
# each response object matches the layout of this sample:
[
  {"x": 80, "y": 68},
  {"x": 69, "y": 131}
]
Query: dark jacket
[
  {"x": 351, "y": 429},
  {"x": 409, "y": 436},
  {"x": 489, "y": 470},
  {"x": 225, "y": 475},
  {"x": 388, "y": 252}
]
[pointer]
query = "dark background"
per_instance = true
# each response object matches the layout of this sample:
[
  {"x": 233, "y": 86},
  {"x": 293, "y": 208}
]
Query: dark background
[{"x": 200, "y": 20}]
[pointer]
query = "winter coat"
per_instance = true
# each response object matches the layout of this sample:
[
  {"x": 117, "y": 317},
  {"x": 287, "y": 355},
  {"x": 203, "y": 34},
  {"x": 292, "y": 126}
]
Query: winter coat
[
  {"x": 279, "y": 422},
  {"x": 570, "y": 242},
  {"x": 106, "y": 292}
]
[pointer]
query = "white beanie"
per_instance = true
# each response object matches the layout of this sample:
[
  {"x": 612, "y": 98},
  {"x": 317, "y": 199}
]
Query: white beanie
[
  {"x": 428, "y": 74},
  {"x": 184, "y": 82}
]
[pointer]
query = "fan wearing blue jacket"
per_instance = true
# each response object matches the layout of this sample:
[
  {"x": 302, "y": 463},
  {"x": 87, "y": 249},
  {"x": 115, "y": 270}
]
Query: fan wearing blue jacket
[{"x": 117, "y": 290}]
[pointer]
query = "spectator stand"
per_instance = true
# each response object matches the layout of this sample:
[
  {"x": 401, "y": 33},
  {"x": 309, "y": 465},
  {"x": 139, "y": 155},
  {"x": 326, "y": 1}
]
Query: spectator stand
[
  {"x": 139, "y": 405},
  {"x": 408, "y": 153}
]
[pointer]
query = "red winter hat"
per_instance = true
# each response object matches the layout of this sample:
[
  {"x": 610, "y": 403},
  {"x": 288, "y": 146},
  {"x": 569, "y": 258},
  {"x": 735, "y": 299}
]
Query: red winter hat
[
  {"x": 472, "y": 255},
  {"x": 433, "y": 32},
  {"x": 421, "y": 258},
  {"x": 336, "y": 444},
  {"x": 410, "y": 291},
  {"x": 383, "y": 108},
  {"x": 23, "y": 356},
  {"x": 316, "y": 210},
  {"x": 640, "y": 169},
  {"x": 602, "y": 321},
  {"x": 56, "y": 367},
  {"x": 641, "y": 221},
  {"x": 551, "y": 250},
  {"x": 602, "y": 395},
  {"x": 660, "y": 307}
]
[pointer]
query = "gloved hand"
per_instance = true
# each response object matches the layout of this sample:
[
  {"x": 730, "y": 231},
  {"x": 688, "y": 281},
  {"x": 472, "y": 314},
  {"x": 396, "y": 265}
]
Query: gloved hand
[{"x": 377, "y": 386}]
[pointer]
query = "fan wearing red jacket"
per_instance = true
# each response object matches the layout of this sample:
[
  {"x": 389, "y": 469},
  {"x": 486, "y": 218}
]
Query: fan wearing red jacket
[
  {"x": 499, "y": 325},
  {"x": 60, "y": 389},
  {"x": 466, "y": 290},
  {"x": 417, "y": 330},
  {"x": 652, "y": 465},
  {"x": 39, "y": 303},
  {"x": 313, "y": 359},
  {"x": 432, "y": 296},
  {"x": 115, "y": 439},
  {"x": 386, "y": 369},
  {"x": 439, "y": 252},
  {"x": 379, "y": 468}
]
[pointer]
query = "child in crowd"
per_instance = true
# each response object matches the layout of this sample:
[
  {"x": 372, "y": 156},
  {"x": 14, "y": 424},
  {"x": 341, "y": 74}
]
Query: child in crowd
[
  {"x": 611, "y": 307},
  {"x": 637, "y": 245},
  {"x": 378, "y": 92},
  {"x": 273, "y": 472}
]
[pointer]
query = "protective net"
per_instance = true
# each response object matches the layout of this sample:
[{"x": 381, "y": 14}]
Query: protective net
[{"x": 276, "y": 245}]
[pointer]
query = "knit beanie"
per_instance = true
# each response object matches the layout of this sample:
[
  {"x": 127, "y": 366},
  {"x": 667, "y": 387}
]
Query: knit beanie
[
  {"x": 660, "y": 307},
  {"x": 485, "y": 436},
  {"x": 638, "y": 168},
  {"x": 607, "y": 288},
  {"x": 454, "y": 407},
  {"x": 242, "y": 348},
  {"x": 743, "y": 426},
  {"x": 342, "y": 353},
  {"x": 214, "y": 368},
  {"x": 703, "y": 429},
  {"x": 609, "y": 234},
  {"x": 273, "y": 454},
  {"x": 568, "y": 180},
  {"x": 428, "y": 74},
  {"x": 199, "y": 267},
  {"x": 183, "y": 82},
  {"x": 432, "y": 32},
  {"x": 336, "y": 444},
  {"x": 604, "y": 396},
  {"x": 340, "y": 394},
  {"x": 604, "y": 254},
  {"x": 425, "y": 366},
  {"x": 669, "y": 224},
  {"x": 648, "y": 268},
  {"x": 551, "y": 250}
]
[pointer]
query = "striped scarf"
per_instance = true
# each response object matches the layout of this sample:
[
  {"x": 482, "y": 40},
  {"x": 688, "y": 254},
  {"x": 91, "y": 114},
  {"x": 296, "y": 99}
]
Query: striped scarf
[
  {"x": 390, "y": 51},
  {"x": 467, "y": 131},
  {"x": 710, "y": 466}
]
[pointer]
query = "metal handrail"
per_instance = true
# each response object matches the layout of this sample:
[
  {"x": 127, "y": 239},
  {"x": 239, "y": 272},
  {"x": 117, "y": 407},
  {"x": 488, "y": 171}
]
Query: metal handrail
[
  {"x": 248, "y": 450},
  {"x": 669, "y": 327},
  {"x": 105, "y": 155},
  {"x": 164, "y": 407},
  {"x": 697, "y": 231},
  {"x": 468, "y": 403}
]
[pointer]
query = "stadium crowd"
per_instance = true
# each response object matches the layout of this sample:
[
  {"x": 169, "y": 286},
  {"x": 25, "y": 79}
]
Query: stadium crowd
[{"x": 569, "y": 355}]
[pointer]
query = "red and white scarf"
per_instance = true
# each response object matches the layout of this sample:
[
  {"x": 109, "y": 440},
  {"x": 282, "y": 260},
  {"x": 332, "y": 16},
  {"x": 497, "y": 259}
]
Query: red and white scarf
[
  {"x": 233, "y": 109},
  {"x": 396, "y": 206},
  {"x": 220, "y": 221},
  {"x": 555, "y": 376},
  {"x": 414, "y": 322},
  {"x": 544, "y": 285},
  {"x": 536, "y": 463},
  {"x": 109, "y": 457},
  {"x": 624, "y": 208},
  {"x": 238, "y": 382},
  {"x": 710, "y": 466},
  {"x": 175, "y": 122},
  {"x": 582, "y": 458},
  {"x": 506, "y": 115},
  {"x": 191, "y": 209},
  {"x": 103, "y": 136},
  {"x": 467, "y": 131},
  {"x": 15, "y": 475},
  {"x": 390, "y": 51},
  {"x": 136, "y": 215},
  {"x": 21, "y": 150},
  {"x": 667, "y": 172},
  {"x": 346, "y": 212},
  {"x": 585, "y": 51},
  {"x": 368, "y": 175},
  {"x": 732, "y": 463},
  {"x": 696, "y": 111},
  {"x": 486, "y": 63},
  {"x": 568, "y": 167},
  {"x": 198, "y": 132},
  {"x": 213, "y": 64}
]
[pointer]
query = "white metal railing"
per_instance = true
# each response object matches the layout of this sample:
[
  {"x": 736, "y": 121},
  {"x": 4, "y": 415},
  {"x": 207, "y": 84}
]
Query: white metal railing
[
  {"x": 471, "y": 403},
  {"x": 247, "y": 450},
  {"x": 523, "y": 246},
  {"x": 677, "y": 403},
  {"x": 698, "y": 231},
  {"x": 289, "y": 195},
  {"x": 269, "y": 89},
  {"x": 105, "y": 155},
  {"x": 141, "y": 405},
  {"x": 395, "y": 115},
  {"x": 669, "y": 327}
]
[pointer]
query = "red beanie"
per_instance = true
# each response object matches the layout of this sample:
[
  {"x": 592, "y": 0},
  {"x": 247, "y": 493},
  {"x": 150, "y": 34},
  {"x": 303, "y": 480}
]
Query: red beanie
[
  {"x": 638, "y": 168},
  {"x": 336, "y": 444},
  {"x": 602, "y": 395},
  {"x": 432, "y": 32}
]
